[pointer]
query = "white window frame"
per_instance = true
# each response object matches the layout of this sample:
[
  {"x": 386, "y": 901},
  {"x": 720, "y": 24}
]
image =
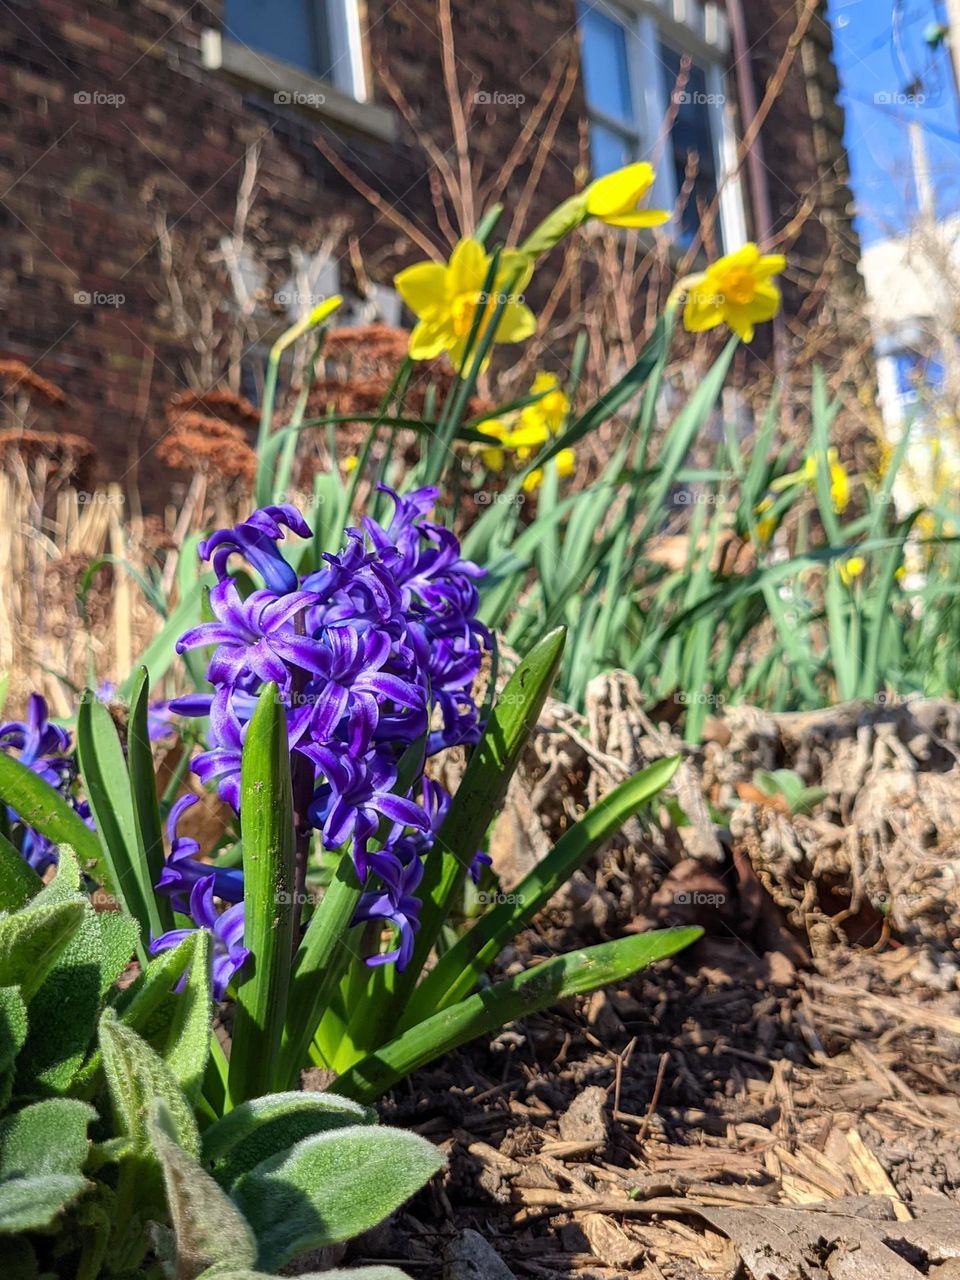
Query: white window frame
[
  {"x": 699, "y": 31},
  {"x": 343, "y": 98}
]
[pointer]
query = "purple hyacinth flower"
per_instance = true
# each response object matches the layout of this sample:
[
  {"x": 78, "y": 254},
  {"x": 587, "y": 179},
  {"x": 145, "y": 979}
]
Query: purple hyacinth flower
[
  {"x": 40, "y": 746},
  {"x": 355, "y": 795},
  {"x": 256, "y": 540},
  {"x": 255, "y": 638},
  {"x": 396, "y": 905},
  {"x": 183, "y": 869},
  {"x": 226, "y": 931}
]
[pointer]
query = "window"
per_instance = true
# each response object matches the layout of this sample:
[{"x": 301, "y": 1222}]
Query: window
[
  {"x": 317, "y": 36},
  {"x": 632, "y": 60}
]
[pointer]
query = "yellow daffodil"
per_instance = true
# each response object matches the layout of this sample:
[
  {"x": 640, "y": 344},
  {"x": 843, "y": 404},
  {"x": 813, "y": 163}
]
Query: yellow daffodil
[
  {"x": 614, "y": 198},
  {"x": 566, "y": 461},
  {"x": 494, "y": 458},
  {"x": 737, "y": 290},
  {"x": 900, "y": 573},
  {"x": 350, "y": 463},
  {"x": 767, "y": 525},
  {"x": 445, "y": 300},
  {"x": 839, "y": 480},
  {"x": 851, "y": 568},
  {"x": 549, "y": 412}
]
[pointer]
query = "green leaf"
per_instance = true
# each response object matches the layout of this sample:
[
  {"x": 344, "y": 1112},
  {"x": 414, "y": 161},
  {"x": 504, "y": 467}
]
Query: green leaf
[
  {"x": 47, "y": 1137},
  {"x": 63, "y": 1013},
  {"x": 146, "y": 807},
  {"x": 330, "y": 1187},
  {"x": 457, "y": 971},
  {"x": 489, "y": 1010},
  {"x": 480, "y": 795},
  {"x": 136, "y": 1076},
  {"x": 18, "y": 880},
  {"x": 270, "y": 913},
  {"x": 120, "y": 934},
  {"x": 13, "y": 1026},
  {"x": 210, "y": 1231},
  {"x": 188, "y": 1039},
  {"x": 39, "y": 806},
  {"x": 32, "y": 939},
  {"x": 29, "y": 1204},
  {"x": 107, "y": 786},
  {"x": 266, "y": 1126}
]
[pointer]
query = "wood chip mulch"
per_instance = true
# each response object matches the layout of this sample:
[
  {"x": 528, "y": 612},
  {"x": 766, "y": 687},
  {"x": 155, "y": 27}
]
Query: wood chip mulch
[{"x": 723, "y": 1116}]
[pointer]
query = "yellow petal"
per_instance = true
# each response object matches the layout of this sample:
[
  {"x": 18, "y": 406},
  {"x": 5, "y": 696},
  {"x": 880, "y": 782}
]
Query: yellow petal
[
  {"x": 422, "y": 286},
  {"x": 702, "y": 312},
  {"x": 493, "y": 459},
  {"x": 642, "y": 218},
  {"x": 566, "y": 461},
  {"x": 516, "y": 323},
  {"x": 467, "y": 270},
  {"x": 428, "y": 340},
  {"x": 619, "y": 192},
  {"x": 529, "y": 435},
  {"x": 533, "y": 481}
]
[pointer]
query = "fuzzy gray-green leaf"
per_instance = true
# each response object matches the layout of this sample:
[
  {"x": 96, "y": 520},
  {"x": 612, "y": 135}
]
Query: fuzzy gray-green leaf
[
  {"x": 210, "y": 1230},
  {"x": 264, "y": 1127},
  {"x": 330, "y": 1187},
  {"x": 137, "y": 1076}
]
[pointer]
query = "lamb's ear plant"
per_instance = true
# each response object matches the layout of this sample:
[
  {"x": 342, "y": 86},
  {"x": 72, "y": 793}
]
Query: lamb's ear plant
[{"x": 112, "y": 1163}]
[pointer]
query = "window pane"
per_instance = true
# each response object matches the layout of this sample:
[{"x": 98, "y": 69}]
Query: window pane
[
  {"x": 295, "y": 31},
  {"x": 691, "y": 132},
  {"x": 609, "y": 150},
  {"x": 603, "y": 45}
]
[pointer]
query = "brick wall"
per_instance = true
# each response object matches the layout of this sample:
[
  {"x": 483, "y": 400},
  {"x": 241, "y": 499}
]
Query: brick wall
[{"x": 82, "y": 183}]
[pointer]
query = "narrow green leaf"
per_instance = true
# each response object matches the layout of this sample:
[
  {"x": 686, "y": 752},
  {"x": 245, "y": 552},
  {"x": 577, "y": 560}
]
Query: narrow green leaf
[
  {"x": 270, "y": 912},
  {"x": 37, "y": 805},
  {"x": 458, "y": 970},
  {"x": 331, "y": 1186},
  {"x": 106, "y": 782},
  {"x": 489, "y": 1010},
  {"x": 146, "y": 807}
]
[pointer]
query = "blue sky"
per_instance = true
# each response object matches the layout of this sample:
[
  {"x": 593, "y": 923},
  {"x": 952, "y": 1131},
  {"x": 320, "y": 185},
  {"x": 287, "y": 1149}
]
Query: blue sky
[{"x": 875, "y": 70}]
